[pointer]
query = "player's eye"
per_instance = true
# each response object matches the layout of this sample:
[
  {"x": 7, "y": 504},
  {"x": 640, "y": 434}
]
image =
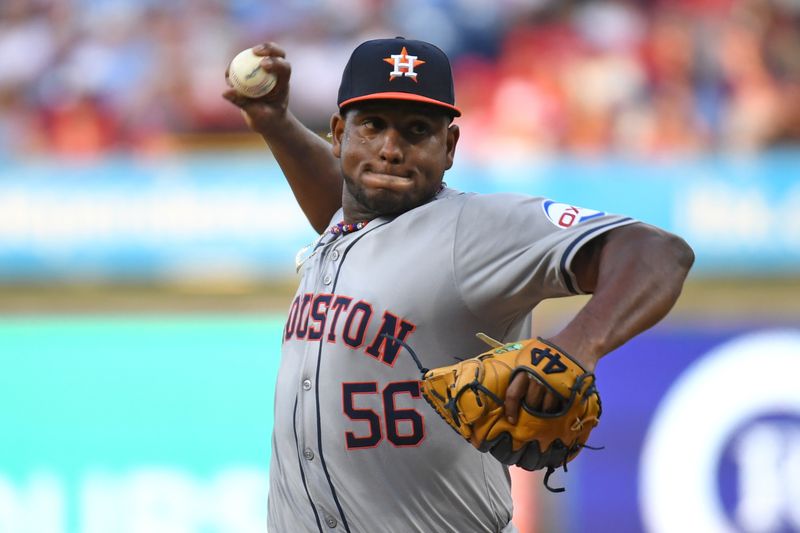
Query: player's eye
[
  {"x": 370, "y": 124},
  {"x": 419, "y": 128}
]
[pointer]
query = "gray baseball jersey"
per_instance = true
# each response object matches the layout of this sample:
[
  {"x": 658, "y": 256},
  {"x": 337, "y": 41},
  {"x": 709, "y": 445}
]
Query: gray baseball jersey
[{"x": 355, "y": 447}]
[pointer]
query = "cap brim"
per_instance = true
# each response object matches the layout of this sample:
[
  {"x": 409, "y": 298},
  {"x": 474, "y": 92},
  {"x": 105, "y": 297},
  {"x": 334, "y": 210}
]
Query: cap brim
[{"x": 402, "y": 96}]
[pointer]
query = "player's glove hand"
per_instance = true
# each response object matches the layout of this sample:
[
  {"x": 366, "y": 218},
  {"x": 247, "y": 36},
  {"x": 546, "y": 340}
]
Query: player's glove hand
[{"x": 469, "y": 396}]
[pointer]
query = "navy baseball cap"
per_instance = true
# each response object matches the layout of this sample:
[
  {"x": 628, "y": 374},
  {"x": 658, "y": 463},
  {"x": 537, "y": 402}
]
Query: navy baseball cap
[{"x": 398, "y": 69}]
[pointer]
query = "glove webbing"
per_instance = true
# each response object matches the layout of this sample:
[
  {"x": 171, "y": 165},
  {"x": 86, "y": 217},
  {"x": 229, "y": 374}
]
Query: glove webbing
[{"x": 475, "y": 386}]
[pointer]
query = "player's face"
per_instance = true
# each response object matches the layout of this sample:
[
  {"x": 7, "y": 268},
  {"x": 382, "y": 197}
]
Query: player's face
[{"x": 393, "y": 156}]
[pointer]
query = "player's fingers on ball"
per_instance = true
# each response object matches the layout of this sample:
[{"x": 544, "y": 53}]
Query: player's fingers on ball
[
  {"x": 268, "y": 64},
  {"x": 281, "y": 69},
  {"x": 277, "y": 65},
  {"x": 235, "y": 98},
  {"x": 269, "y": 49},
  {"x": 230, "y": 95},
  {"x": 514, "y": 394}
]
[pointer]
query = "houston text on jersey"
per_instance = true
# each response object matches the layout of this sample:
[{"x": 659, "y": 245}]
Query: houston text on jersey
[{"x": 340, "y": 318}]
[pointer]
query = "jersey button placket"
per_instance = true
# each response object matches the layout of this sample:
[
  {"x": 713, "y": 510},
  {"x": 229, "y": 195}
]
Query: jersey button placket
[{"x": 324, "y": 272}]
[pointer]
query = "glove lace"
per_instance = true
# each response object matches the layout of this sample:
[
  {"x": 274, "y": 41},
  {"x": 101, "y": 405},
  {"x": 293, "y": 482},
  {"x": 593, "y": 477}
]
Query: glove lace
[
  {"x": 579, "y": 422},
  {"x": 547, "y": 474},
  {"x": 402, "y": 343}
]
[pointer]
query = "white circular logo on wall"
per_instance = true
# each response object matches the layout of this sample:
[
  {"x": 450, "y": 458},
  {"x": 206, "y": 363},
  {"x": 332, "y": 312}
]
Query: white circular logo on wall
[
  {"x": 566, "y": 216},
  {"x": 737, "y": 409}
]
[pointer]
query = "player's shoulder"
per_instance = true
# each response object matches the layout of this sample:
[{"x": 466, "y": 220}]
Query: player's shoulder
[
  {"x": 477, "y": 199},
  {"x": 506, "y": 206},
  {"x": 503, "y": 198},
  {"x": 507, "y": 209},
  {"x": 500, "y": 202}
]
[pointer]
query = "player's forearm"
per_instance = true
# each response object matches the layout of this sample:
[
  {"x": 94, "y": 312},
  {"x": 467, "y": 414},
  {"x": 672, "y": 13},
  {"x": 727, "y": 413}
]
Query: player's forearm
[
  {"x": 305, "y": 158},
  {"x": 640, "y": 275},
  {"x": 310, "y": 169}
]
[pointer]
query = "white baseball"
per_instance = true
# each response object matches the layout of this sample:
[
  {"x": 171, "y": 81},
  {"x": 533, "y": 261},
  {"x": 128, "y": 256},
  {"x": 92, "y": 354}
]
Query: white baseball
[{"x": 247, "y": 76}]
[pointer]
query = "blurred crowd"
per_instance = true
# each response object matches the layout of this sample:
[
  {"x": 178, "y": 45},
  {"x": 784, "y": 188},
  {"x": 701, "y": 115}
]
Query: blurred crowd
[{"x": 534, "y": 78}]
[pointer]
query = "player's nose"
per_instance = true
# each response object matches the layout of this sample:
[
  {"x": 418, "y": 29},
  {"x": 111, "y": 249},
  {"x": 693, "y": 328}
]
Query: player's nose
[{"x": 391, "y": 149}]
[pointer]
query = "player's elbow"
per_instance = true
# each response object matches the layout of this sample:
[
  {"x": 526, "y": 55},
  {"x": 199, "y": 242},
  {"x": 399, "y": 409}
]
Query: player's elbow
[
  {"x": 681, "y": 253},
  {"x": 670, "y": 254},
  {"x": 661, "y": 250}
]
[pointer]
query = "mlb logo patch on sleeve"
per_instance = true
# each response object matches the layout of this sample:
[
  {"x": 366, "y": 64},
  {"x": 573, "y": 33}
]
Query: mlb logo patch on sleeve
[{"x": 566, "y": 215}]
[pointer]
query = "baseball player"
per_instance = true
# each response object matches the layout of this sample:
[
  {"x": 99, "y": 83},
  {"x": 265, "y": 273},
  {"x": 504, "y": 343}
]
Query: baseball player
[{"x": 408, "y": 262}]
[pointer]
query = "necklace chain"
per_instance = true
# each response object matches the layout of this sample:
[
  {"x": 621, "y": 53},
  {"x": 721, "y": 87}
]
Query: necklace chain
[
  {"x": 309, "y": 251},
  {"x": 342, "y": 228}
]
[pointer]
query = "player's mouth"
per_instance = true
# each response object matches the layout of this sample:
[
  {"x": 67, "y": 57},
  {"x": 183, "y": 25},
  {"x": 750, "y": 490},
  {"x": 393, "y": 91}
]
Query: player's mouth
[{"x": 387, "y": 180}]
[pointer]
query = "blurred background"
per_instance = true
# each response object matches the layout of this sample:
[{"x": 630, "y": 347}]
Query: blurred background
[{"x": 147, "y": 242}]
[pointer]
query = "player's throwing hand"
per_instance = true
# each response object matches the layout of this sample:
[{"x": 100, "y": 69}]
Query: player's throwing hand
[{"x": 266, "y": 112}]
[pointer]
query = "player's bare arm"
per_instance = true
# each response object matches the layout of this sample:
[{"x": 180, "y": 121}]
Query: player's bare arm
[
  {"x": 635, "y": 274},
  {"x": 305, "y": 159}
]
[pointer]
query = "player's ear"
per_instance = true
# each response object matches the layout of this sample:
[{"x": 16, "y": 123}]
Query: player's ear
[
  {"x": 337, "y": 131},
  {"x": 452, "y": 139}
]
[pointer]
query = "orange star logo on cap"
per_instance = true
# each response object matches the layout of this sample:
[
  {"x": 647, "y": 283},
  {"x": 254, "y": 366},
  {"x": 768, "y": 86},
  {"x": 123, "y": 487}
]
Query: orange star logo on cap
[{"x": 403, "y": 64}]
